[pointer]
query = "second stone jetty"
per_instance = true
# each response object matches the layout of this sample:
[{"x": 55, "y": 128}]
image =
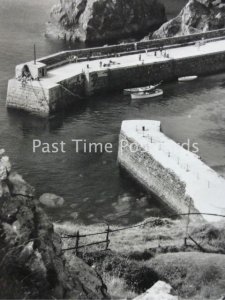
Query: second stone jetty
[{"x": 177, "y": 176}]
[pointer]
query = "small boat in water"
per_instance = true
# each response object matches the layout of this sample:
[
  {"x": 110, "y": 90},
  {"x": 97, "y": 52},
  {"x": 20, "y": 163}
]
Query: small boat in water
[
  {"x": 147, "y": 94},
  {"x": 187, "y": 78},
  {"x": 147, "y": 88}
]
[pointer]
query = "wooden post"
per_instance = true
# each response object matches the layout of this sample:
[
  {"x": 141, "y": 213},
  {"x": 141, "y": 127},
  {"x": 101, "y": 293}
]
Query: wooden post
[
  {"x": 187, "y": 224},
  {"x": 107, "y": 238},
  {"x": 77, "y": 243},
  {"x": 35, "y": 58}
]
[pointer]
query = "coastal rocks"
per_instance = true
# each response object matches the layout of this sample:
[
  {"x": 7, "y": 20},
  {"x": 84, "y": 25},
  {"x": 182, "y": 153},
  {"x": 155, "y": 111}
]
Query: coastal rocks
[
  {"x": 196, "y": 17},
  {"x": 160, "y": 290},
  {"x": 3, "y": 172},
  {"x": 86, "y": 275},
  {"x": 94, "y": 21},
  {"x": 18, "y": 186},
  {"x": 51, "y": 200},
  {"x": 33, "y": 265}
]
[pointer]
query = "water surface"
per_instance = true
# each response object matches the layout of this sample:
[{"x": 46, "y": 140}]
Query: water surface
[{"x": 92, "y": 185}]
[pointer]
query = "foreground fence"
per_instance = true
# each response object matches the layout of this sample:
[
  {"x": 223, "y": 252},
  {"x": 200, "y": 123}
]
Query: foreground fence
[{"x": 77, "y": 236}]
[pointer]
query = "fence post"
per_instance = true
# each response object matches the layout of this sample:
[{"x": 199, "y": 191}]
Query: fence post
[
  {"x": 107, "y": 238},
  {"x": 77, "y": 242},
  {"x": 187, "y": 224}
]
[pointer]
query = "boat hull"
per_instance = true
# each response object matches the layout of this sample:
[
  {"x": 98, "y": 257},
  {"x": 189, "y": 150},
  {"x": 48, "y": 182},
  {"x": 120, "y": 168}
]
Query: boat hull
[
  {"x": 144, "y": 95},
  {"x": 138, "y": 90},
  {"x": 187, "y": 78}
]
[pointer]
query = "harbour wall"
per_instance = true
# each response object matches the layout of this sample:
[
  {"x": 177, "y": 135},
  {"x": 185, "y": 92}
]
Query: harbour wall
[
  {"x": 167, "y": 70},
  {"x": 148, "y": 172},
  {"x": 177, "y": 176},
  {"x": 40, "y": 97},
  {"x": 32, "y": 98},
  {"x": 36, "y": 96},
  {"x": 50, "y": 92},
  {"x": 126, "y": 48}
]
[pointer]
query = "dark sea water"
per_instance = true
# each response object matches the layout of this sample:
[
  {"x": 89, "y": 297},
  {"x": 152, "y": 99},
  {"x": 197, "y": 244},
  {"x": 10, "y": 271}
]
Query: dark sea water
[
  {"x": 173, "y": 7},
  {"x": 92, "y": 185}
]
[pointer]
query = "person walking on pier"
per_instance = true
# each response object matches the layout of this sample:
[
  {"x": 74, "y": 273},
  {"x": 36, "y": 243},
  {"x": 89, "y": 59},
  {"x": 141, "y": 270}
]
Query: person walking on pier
[{"x": 161, "y": 49}]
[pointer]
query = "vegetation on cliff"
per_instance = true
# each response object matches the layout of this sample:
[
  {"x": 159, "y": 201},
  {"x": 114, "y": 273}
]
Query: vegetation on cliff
[
  {"x": 140, "y": 256},
  {"x": 95, "y": 21},
  {"x": 32, "y": 264},
  {"x": 196, "y": 17},
  {"x": 35, "y": 265}
]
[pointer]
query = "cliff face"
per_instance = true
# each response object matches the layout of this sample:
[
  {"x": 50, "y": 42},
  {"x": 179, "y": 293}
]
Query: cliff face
[
  {"x": 104, "y": 20},
  {"x": 196, "y": 17},
  {"x": 32, "y": 264}
]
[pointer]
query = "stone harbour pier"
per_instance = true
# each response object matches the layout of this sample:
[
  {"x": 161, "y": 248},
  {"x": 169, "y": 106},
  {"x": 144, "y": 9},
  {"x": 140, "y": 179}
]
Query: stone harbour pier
[
  {"x": 177, "y": 176},
  {"x": 49, "y": 83}
]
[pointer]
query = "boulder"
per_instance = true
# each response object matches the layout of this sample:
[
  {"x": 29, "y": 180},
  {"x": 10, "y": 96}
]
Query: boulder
[
  {"x": 3, "y": 172},
  {"x": 104, "y": 20},
  {"x": 18, "y": 186},
  {"x": 196, "y": 17},
  {"x": 2, "y": 151},
  {"x": 51, "y": 200},
  {"x": 86, "y": 275},
  {"x": 160, "y": 290},
  {"x": 6, "y": 163}
]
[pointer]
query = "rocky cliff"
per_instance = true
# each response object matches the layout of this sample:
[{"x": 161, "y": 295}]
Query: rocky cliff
[
  {"x": 196, "y": 17},
  {"x": 32, "y": 263},
  {"x": 94, "y": 21}
]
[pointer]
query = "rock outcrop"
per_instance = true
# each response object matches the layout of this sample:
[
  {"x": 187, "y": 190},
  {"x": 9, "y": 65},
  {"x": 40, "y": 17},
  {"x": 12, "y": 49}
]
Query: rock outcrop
[
  {"x": 51, "y": 200},
  {"x": 32, "y": 263},
  {"x": 160, "y": 290},
  {"x": 196, "y": 17},
  {"x": 94, "y": 21}
]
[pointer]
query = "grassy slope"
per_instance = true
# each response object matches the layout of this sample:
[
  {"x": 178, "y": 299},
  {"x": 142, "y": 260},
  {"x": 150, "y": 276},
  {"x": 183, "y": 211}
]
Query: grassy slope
[
  {"x": 134, "y": 239},
  {"x": 158, "y": 248},
  {"x": 191, "y": 272}
]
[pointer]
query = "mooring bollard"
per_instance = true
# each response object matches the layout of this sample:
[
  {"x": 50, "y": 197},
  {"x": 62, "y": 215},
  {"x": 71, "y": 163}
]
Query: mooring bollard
[{"x": 143, "y": 131}]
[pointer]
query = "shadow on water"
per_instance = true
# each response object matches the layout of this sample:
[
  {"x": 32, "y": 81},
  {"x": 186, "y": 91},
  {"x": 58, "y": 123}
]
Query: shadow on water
[{"x": 38, "y": 123}]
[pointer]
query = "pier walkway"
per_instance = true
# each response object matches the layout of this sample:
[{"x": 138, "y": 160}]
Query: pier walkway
[
  {"x": 62, "y": 73},
  {"x": 203, "y": 185},
  {"x": 63, "y": 78}
]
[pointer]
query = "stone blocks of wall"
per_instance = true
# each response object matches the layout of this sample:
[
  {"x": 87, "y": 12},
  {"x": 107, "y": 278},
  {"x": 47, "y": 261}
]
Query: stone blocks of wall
[
  {"x": 168, "y": 70},
  {"x": 154, "y": 177},
  {"x": 32, "y": 97}
]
